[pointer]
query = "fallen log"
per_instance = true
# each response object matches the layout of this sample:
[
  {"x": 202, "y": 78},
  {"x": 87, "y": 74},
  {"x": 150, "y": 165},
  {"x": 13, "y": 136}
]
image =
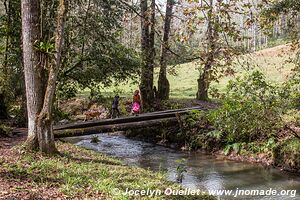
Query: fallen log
[
  {"x": 115, "y": 127},
  {"x": 140, "y": 118}
]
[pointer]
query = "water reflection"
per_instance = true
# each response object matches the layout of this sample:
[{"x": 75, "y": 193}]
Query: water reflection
[{"x": 205, "y": 172}]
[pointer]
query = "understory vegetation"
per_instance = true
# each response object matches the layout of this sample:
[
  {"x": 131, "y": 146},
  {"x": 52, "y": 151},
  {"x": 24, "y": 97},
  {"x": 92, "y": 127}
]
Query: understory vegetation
[{"x": 251, "y": 121}]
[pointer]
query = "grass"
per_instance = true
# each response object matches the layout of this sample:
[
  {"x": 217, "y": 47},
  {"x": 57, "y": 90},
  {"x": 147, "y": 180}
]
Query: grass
[
  {"x": 272, "y": 62},
  {"x": 80, "y": 173}
]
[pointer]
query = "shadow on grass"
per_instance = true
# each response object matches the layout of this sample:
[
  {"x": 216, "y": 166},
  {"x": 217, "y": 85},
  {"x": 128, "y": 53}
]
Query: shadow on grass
[
  {"x": 89, "y": 160},
  {"x": 23, "y": 176}
]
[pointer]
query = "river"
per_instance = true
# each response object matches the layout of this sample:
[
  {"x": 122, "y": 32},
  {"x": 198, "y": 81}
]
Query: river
[{"x": 204, "y": 171}]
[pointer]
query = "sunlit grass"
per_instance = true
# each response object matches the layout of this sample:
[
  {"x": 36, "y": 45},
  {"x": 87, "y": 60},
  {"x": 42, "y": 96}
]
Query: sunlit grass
[{"x": 183, "y": 84}]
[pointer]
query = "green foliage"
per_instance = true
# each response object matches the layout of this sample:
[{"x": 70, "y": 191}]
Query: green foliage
[
  {"x": 270, "y": 145},
  {"x": 291, "y": 91},
  {"x": 58, "y": 115},
  {"x": 287, "y": 154},
  {"x": 258, "y": 147},
  {"x": 5, "y": 130},
  {"x": 95, "y": 139},
  {"x": 66, "y": 89},
  {"x": 196, "y": 131},
  {"x": 215, "y": 134},
  {"x": 227, "y": 149},
  {"x": 251, "y": 110},
  {"x": 180, "y": 169},
  {"x": 236, "y": 147},
  {"x": 193, "y": 117},
  {"x": 94, "y": 56},
  {"x": 11, "y": 71},
  {"x": 45, "y": 47}
]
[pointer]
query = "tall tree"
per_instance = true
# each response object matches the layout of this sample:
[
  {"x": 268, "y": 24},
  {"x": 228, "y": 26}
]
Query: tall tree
[
  {"x": 148, "y": 52},
  {"x": 39, "y": 102},
  {"x": 217, "y": 50},
  {"x": 45, "y": 130},
  {"x": 32, "y": 68},
  {"x": 212, "y": 37},
  {"x": 163, "y": 83}
]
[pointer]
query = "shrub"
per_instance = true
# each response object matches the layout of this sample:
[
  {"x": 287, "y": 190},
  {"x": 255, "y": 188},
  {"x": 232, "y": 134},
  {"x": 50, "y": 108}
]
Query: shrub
[
  {"x": 194, "y": 131},
  {"x": 95, "y": 139},
  {"x": 287, "y": 154},
  {"x": 250, "y": 111},
  {"x": 291, "y": 92}
]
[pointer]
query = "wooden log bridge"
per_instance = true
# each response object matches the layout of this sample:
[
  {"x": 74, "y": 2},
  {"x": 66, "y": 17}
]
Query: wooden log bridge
[{"x": 161, "y": 118}]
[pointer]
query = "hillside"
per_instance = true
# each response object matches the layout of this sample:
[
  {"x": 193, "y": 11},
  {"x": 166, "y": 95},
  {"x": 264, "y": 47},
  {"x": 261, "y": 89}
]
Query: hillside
[{"x": 273, "y": 62}]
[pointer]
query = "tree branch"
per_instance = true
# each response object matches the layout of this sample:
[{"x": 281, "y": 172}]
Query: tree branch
[{"x": 293, "y": 131}]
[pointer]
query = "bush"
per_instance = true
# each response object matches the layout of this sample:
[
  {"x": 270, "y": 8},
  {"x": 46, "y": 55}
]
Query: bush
[
  {"x": 5, "y": 130},
  {"x": 250, "y": 111},
  {"x": 195, "y": 129},
  {"x": 287, "y": 154},
  {"x": 291, "y": 91}
]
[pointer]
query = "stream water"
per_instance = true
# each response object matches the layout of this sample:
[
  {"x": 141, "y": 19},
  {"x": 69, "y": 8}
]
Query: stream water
[{"x": 204, "y": 172}]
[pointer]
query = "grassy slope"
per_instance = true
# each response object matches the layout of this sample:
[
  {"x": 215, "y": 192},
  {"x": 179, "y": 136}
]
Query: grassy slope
[
  {"x": 271, "y": 61},
  {"x": 77, "y": 173}
]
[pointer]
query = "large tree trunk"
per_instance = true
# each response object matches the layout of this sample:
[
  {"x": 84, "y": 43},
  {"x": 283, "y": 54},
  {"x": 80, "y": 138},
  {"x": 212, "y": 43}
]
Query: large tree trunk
[
  {"x": 148, "y": 53},
  {"x": 204, "y": 82},
  {"x": 32, "y": 67},
  {"x": 163, "y": 83},
  {"x": 40, "y": 103},
  {"x": 45, "y": 122}
]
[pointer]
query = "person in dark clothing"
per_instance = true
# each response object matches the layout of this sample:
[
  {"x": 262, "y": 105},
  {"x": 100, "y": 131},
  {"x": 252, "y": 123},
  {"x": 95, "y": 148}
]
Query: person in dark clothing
[{"x": 115, "y": 107}]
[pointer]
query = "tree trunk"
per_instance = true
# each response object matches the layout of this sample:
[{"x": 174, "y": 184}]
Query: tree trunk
[
  {"x": 147, "y": 45},
  {"x": 164, "y": 122},
  {"x": 7, "y": 42},
  {"x": 45, "y": 122},
  {"x": 204, "y": 79},
  {"x": 254, "y": 37},
  {"x": 32, "y": 68},
  {"x": 143, "y": 117},
  {"x": 163, "y": 83},
  {"x": 39, "y": 103},
  {"x": 3, "y": 108}
]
